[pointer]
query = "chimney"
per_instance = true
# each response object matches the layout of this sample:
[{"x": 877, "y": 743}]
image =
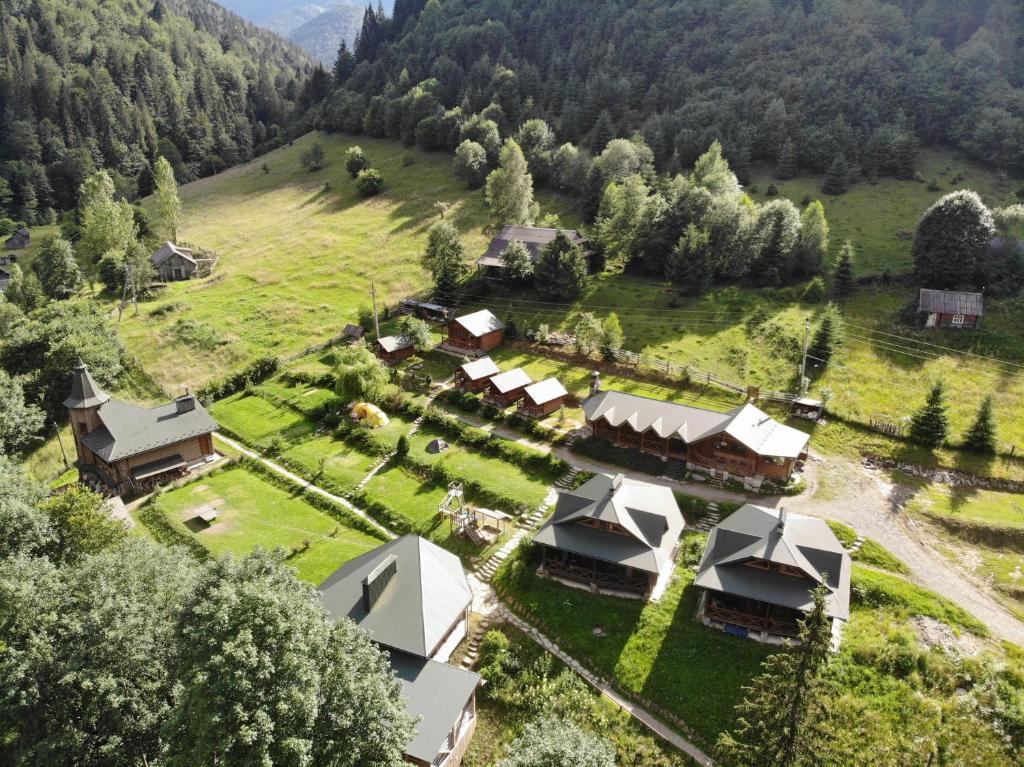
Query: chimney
[
  {"x": 185, "y": 404},
  {"x": 781, "y": 527},
  {"x": 378, "y": 580},
  {"x": 595, "y": 383}
]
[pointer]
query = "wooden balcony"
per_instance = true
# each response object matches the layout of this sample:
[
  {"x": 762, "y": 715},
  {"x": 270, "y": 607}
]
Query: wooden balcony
[
  {"x": 596, "y": 577},
  {"x": 747, "y": 620}
]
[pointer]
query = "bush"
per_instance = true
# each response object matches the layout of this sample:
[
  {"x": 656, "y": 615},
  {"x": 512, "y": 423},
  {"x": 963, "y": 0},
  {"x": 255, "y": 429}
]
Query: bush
[
  {"x": 111, "y": 272},
  {"x": 259, "y": 370},
  {"x": 771, "y": 191},
  {"x": 602, "y": 450},
  {"x": 356, "y": 161},
  {"x": 370, "y": 182},
  {"x": 815, "y": 291}
]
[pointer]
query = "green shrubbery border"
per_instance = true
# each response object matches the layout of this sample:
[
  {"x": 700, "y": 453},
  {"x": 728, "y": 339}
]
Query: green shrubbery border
[{"x": 257, "y": 371}]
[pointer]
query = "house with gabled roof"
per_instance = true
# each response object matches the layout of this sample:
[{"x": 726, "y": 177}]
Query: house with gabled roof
[
  {"x": 174, "y": 262},
  {"x": 542, "y": 399},
  {"x": 950, "y": 308},
  {"x": 533, "y": 237},
  {"x": 22, "y": 238},
  {"x": 394, "y": 349},
  {"x": 475, "y": 333},
  {"x": 760, "y": 567},
  {"x": 126, "y": 449},
  {"x": 506, "y": 388},
  {"x": 745, "y": 443},
  {"x": 613, "y": 533},
  {"x": 413, "y": 598},
  {"x": 476, "y": 375}
]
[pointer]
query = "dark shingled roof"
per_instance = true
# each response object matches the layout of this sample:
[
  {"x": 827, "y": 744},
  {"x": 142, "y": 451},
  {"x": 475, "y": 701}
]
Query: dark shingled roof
[
  {"x": 533, "y": 237},
  {"x": 951, "y": 302},
  {"x": 806, "y": 543},
  {"x": 85, "y": 392},
  {"x": 129, "y": 430},
  {"x": 169, "y": 249},
  {"x": 648, "y": 513}
]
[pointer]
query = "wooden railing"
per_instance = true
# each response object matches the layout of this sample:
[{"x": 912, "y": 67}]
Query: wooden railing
[
  {"x": 597, "y": 577},
  {"x": 755, "y": 622}
]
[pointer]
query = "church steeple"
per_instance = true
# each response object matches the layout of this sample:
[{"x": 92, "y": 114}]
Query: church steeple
[{"x": 85, "y": 392}]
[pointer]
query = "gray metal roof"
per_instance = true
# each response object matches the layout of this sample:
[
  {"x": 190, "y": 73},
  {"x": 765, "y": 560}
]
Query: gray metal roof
[
  {"x": 423, "y": 600},
  {"x": 169, "y": 249},
  {"x": 648, "y": 513},
  {"x": 533, "y": 237},
  {"x": 394, "y": 343},
  {"x": 511, "y": 380},
  {"x": 951, "y": 302},
  {"x": 747, "y": 423},
  {"x": 85, "y": 392},
  {"x": 480, "y": 323},
  {"x": 481, "y": 368},
  {"x": 545, "y": 391},
  {"x": 129, "y": 430},
  {"x": 752, "y": 533},
  {"x": 436, "y": 693}
]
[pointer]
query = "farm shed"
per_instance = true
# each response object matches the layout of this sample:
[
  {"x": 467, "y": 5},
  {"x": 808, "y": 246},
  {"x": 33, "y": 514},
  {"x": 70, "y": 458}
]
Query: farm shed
[
  {"x": 20, "y": 239},
  {"x": 533, "y": 237},
  {"x": 950, "y": 308},
  {"x": 424, "y": 310},
  {"x": 394, "y": 349},
  {"x": 478, "y": 332},
  {"x": 476, "y": 375},
  {"x": 544, "y": 398},
  {"x": 507, "y": 388},
  {"x": 173, "y": 262}
]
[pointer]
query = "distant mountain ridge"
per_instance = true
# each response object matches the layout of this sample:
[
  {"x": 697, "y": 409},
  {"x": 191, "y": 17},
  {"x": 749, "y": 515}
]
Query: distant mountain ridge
[
  {"x": 287, "y": 21},
  {"x": 321, "y": 35}
]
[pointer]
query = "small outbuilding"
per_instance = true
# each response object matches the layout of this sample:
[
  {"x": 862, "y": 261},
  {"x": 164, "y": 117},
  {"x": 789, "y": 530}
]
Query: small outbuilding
[
  {"x": 533, "y": 237},
  {"x": 476, "y": 375},
  {"x": 542, "y": 399},
  {"x": 508, "y": 388},
  {"x": 393, "y": 349},
  {"x": 950, "y": 308},
  {"x": 425, "y": 310},
  {"x": 19, "y": 240},
  {"x": 476, "y": 333},
  {"x": 436, "y": 446},
  {"x": 174, "y": 262},
  {"x": 5, "y": 279}
]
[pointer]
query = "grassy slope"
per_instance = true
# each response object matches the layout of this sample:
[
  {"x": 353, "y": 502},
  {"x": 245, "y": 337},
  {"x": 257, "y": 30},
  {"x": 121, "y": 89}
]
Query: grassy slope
[
  {"x": 258, "y": 513},
  {"x": 297, "y": 259},
  {"x": 878, "y": 217}
]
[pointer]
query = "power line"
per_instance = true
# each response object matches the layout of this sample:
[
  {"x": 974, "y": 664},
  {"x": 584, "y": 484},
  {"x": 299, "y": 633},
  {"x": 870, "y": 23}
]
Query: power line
[{"x": 937, "y": 346}]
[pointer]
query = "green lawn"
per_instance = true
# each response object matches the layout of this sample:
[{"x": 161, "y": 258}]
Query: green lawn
[
  {"x": 983, "y": 507},
  {"x": 255, "y": 512},
  {"x": 298, "y": 251},
  {"x": 343, "y": 466},
  {"x": 303, "y": 397},
  {"x": 254, "y": 419},
  {"x": 880, "y": 218},
  {"x": 871, "y": 552},
  {"x": 492, "y": 473}
]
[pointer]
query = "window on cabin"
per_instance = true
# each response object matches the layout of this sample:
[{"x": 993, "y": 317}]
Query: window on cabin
[
  {"x": 958, "y": 319},
  {"x": 759, "y": 564}
]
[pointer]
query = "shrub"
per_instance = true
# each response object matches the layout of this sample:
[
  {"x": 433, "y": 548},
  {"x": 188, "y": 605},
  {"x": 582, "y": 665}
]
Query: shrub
[
  {"x": 356, "y": 161},
  {"x": 771, "y": 191},
  {"x": 369, "y": 182},
  {"x": 815, "y": 291},
  {"x": 259, "y": 370}
]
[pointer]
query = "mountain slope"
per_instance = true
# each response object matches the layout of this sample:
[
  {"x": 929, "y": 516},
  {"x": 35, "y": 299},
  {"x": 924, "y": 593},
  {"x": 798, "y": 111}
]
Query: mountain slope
[
  {"x": 88, "y": 84},
  {"x": 290, "y": 19},
  {"x": 322, "y": 35}
]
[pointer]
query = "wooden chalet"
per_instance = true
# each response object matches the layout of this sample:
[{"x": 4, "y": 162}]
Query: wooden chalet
[
  {"x": 174, "y": 262},
  {"x": 124, "y": 449},
  {"x": 950, "y": 309},
  {"x": 22, "y": 238},
  {"x": 542, "y": 399},
  {"x": 476, "y": 376},
  {"x": 507, "y": 388},
  {"x": 745, "y": 442},
  {"x": 413, "y": 599},
  {"x": 475, "y": 333},
  {"x": 613, "y": 533},
  {"x": 393, "y": 349},
  {"x": 533, "y": 237},
  {"x": 760, "y": 567}
]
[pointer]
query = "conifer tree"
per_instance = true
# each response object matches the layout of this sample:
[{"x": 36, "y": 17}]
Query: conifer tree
[
  {"x": 787, "y": 166},
  {"x": 929, "y": 426},
  {"x": 561, "y": 270},
  {"x": 777, "y": 717},
  {"x": 509, "y": 191},
  {"x": 602, "y": 132},
  {"x": 981, "y": 437},
  {"x": 343, "y": 64},
  {"x": 611, "y": 336},
  {"x": 444, "y": 257},
  {"x": 836, "y": 177},
  {"x": 828, "y": 336},
  {"x": 812, "y": 246},
  {"x": 844, "y": 284},
  {"x": 518, "y": 263},
  {"x": 689, "y": 265},
  {"x": 58, "y": 270}
]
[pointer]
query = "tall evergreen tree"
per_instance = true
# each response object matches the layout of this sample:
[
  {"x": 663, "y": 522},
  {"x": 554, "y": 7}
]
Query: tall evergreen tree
[
  {"x": 777, "y": 231},
  {"x": 509, "y": 190},
  {"x": 561, "y": 270},
  {"x": 602, "y": 132},
  {"x": 951, "y": 241},
  {"x": 812, "y": 246},
  {"x": 981, "y": 437},
  {"x": 343, "y": 64},
  {"x": 690, "y": 265},
  {"x": 787, "y": 164},
  {"x": 843, "y": 281},
  {"x": 58, "y": 270},
  {"x": 518, "y": 263},
  {"x": 777, "y": 717},
  {"x": 836, "y": 177},
  {"x": 827, "y": 337},
  {"x": 929, "y": 426}
]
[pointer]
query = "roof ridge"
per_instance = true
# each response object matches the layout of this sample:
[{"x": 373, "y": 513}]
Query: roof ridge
[{"x": 422, "y": 595}]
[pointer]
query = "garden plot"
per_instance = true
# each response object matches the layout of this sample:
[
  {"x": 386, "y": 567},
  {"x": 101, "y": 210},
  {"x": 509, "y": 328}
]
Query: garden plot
[
  {"x": 255, "y": 419},
  {"x": 330, "y": 462}
]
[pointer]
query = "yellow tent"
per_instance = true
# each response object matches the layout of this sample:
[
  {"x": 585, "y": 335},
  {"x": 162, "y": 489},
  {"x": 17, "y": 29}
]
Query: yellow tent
[{"x": 370, "y": 414}]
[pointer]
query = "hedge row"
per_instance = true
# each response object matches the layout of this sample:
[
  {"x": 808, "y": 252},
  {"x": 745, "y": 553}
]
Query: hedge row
[
  {"x": 304, "y": 378},
  {"x": 153, "y": 517},
  {"x": 259, "y": 370},
  {"x": 604, "y": 451},
  {"x": 362, "y": 438},
  {"x": 440, "y": 474}
]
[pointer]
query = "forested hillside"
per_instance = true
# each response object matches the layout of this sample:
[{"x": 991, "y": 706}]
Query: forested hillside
[
  {"x": 90, "y": 84},
  {"x": 851, "y": 86}
]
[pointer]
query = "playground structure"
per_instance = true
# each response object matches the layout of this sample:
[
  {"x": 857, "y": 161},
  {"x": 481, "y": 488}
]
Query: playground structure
[{"x": 481, "y": 526}]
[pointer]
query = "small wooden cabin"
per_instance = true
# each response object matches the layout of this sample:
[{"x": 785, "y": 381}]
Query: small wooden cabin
[
  {"x": 533, "y": 237},
  {"x": 950, "y": 309},
  {"x": 542, "y": 399},
  {"x": 476, "y": 376},
  {"x": 173, "y": 262},
  {"x": 394, "y": 349},
  {"x": 507, "y": 388},
  {"x": 20, "y": 239},
  {"x": 478, "y": 332}
]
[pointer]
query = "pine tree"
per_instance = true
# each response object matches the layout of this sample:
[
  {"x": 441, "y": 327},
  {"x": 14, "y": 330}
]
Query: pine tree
[
  {"x": 812, "y": 247},
  {"x": 981, "y": 437},
  {"x": 561, "y": 270},
  {"x": 518, "y": 263},
  {"x": 58, "y": 270},
  {"x": 689, "y": 265},
  {"x": 827, "y": 338},
  {"x": 929, "y": 426},
  {"x": 836, "y": 177},
  {"x": 777, "y": 718},
  {"x": 602, "y": 132},
  {"x": 444, "y": 257},
  {"x": 787, "y": 166},
  {"x": 343, "y": 64},
  {"x": 843, "y": 281}
]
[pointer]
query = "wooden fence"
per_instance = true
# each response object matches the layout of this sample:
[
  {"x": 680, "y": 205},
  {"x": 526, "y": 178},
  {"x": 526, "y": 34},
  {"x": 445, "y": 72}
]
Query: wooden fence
[{"x": 315, "y": 348}]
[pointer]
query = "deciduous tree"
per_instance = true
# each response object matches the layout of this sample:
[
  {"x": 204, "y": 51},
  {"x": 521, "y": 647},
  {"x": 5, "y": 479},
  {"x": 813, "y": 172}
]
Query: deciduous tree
[
  {"x": 356, "y": 160},
  {"x": 712, "y": 172},
  {"x": 107, "y": 223},
  {"x": 611, "y": 336},
  {"x": 776, "y": 234},
  {"x": 624, "y": 209},
  {"x": 444, "y": 257},
  {"x": 518, "y": 263},
  {"x": 951, "y": 241},
  {"x": 509, "y": 191},
  {"x": 58, "y": 270},
  {"x": 168, "y": 204},
  {"x": 812, "y": 245},
  {"x": 20, "y": 422},
  {"x": 416, "y": 330},
  {"x": 588, "y": 332},
  {"x": 360, "y": 375},
  {"x": 470, "y": 164},
  {"x": 554, "y": 743}
]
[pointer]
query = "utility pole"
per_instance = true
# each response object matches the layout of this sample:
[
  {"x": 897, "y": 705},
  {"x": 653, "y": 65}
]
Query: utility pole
[
  {"x": 61, "y": 443},
  {"x": 803, "y": 359},
  {"x": 376, "y": 321}
]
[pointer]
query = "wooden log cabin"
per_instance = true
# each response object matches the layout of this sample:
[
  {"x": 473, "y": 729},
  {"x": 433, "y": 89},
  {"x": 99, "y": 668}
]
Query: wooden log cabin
[
  {"x": 475, "y": 333},
  {"x": 124, "y": 449},
  {"x": 950, "y": 309},
  {"x": 542, "y": 399},
  {"x": 613, "y": 533},
  {"x": 492, "y": 263},
  {"x": 476, "y": 376},
  {"x": 174, "y": 262},
  {"x": 760, "y": 567},
  {"x": 745, "y": 443},
  {"x": 507, "y": 388},
  {"x": 413, "y": 598},
  {"x": 394, "y": 349}
]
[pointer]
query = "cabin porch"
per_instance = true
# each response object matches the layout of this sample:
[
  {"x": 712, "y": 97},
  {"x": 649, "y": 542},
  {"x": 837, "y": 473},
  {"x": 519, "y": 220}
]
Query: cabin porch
[
  {"x": 595, "y": 573},
  {"x": 625, "y": 435},
  {"x": 741, "y": 616}
]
